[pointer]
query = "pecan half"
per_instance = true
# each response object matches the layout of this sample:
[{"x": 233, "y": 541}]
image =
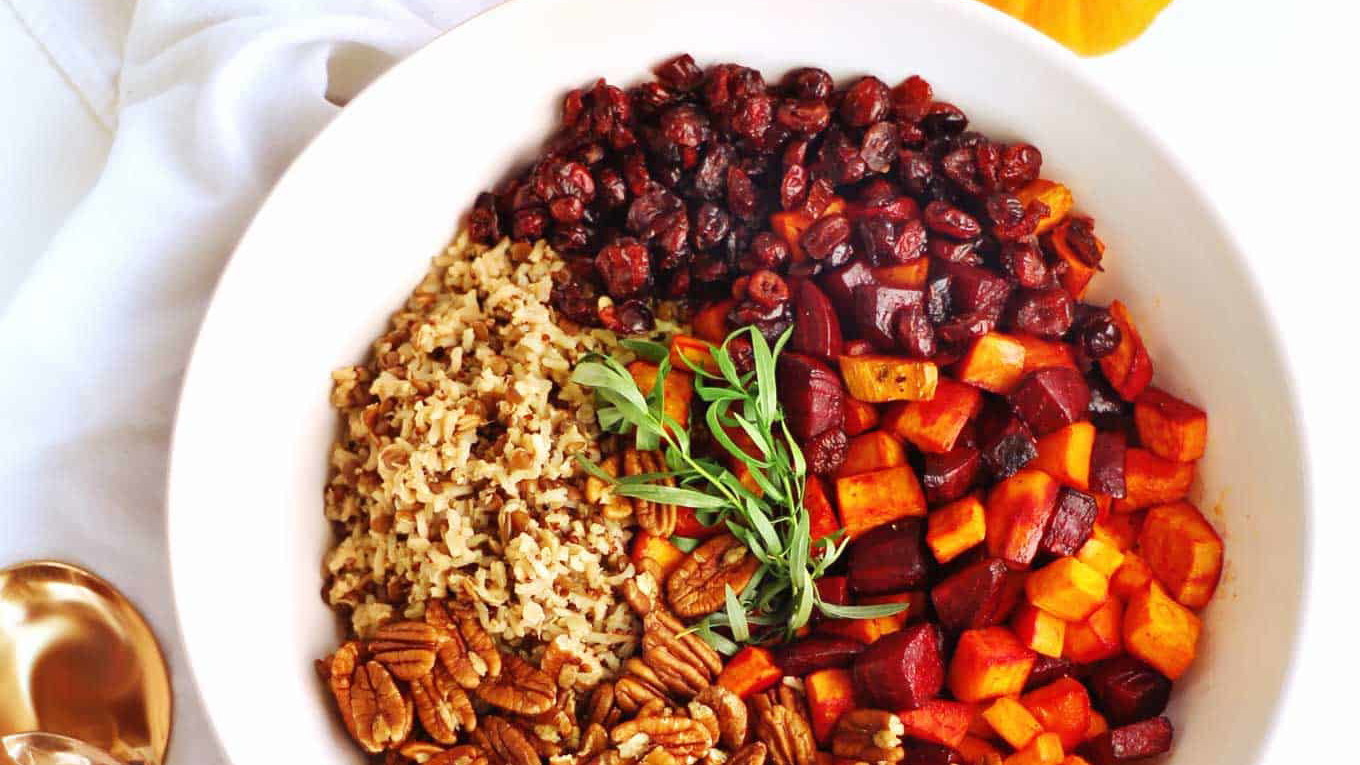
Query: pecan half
[
  {"x": 341, "y": 668},
  {"x": 698, "y": 584},
  {"x": 682, "y": 737},
  {"x": 466, "y": 650},
  {"x": 382, "y": 714},
  {"x": 613, "y": 507},
  {"x": 442, "y": 706},
  {"x": 731, "y": 713},
  {"x": 655, "y": 518},
  {"x": 569, "y": 665},
  {"x": 593, "y": 741},
  {"x": 600, "y": 707},
  {"x": 638, "y": 686},
  {"x": 753, "y": 753},
  {"x": 407, "y": 649},
  {"x": 465, "y": 754},
  {"x": 869, "y": 735},
  {"x": 520, "y": 688},
  {"x": 782, "y": 724},
  {"x": 681, "y": 659},
  {"x": 504, "y": 743}
]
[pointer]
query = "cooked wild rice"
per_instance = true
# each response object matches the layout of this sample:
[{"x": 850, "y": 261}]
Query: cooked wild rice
[{"x": 454, "y": 475}]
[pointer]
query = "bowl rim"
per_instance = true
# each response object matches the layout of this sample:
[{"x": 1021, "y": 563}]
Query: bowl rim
[{"x": 977, "y": 13}]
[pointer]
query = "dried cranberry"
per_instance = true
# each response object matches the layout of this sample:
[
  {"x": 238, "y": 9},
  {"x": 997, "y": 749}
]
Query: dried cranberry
[
  {"x": 767, "y": 289},
  {"x": 793, "y": 187},
  {"x": 571, "y": 237},
  {"x": 557, "y": 177},
  {"x": 952, "y": 251},
  {"x": 1013, "y": 219},
  {"x": 804, "y": 116},
  {"x": 632, "y": 317},
  {"x": 960, "y": 166},
  {"x": 567, "y": 209},
  {"x": 651, "y": 97},
  {"x": 877, "y": 191},
  {"x": 529, "y": 223},
  {"x": 678, "y": 284},
  {"x": 1044, "y": 313},
  {"x": 987, "y": 161},
  {"x": 648, "y": 209},
  {"x": 914, "y": 332},
  {"x": 753, "y": 116},
  {"x": 1020, "y": 164},
  {"x": 680, "y": 72},
  {"x": 1025, "y": 261},
  {"x": 866, "y": 102},
  {"x": 484, "y": 225},
  {"x": 635, "y": 173},
  {"x": 911, "y": 98},
  {"x": 943, "y": 119},
  {"x": 938, "y": 301},
  {"x": 825, "y": 452},
  {"x": 742, "y": 353},
  {"x": 741, "y": 194},
  {"x": 708, "y": 269},
  {"x": 711, "y": 225},
  {"x": 1099, "y": 335},
  {"x": 575, "y": 301},
  {"x": 878, "y": 148},
  {"x": 946, "y": 219},
  {"x": 808, "y": 83},
  {"x": 820, "y": 194},
  {"x": 625, "y": 267},
  {"x": 825, "y": 235},
  {"x": 769, "y": 321},
  {"x": 839, "y": 160},
  {"x": 1081, "y": 240},
  {"x": 613, "y": 192},
  {"x": 684, "y": 125},
  {"x": 710, "y": 178},
  {"x": 915, "y": 170},
  {"x": 795, "y": 152},
  {"x": 769, "y": 251}
]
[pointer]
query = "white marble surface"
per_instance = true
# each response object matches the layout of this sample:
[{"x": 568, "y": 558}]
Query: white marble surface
[{"x": 1258, "y": 97}]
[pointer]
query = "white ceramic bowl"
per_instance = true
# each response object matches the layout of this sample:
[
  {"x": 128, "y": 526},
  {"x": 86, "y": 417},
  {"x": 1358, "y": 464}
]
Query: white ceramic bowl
[{"x": 349, "y": 230}]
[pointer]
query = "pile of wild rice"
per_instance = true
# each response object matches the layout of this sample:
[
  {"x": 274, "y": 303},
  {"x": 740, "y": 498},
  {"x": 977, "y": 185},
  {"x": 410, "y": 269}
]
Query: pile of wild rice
[{"x": 454, "y": 476}]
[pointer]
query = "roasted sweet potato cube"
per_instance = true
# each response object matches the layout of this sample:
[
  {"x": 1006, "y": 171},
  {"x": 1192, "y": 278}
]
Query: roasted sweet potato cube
[
  {"x": 743, "y": 473},
  {"x": 1039, "y": 630},
  {"x": 1062, "y": 707},
  {"x": 947, "y": 477},
  {"x": 1098, "y": 636},
  {"x": 889, "y": 558},
  {"x": 1045, "y": 749},
  {"x": 1050, "y": 399},
  {"x": 910, "y": 275},
  {"x": 864, "y": 631},
  {"x": 687, "y": 525},
  {"x": 1076, "y": 272},
  {"x": 1074, "y": 517},
  {"x": 1136, "y": 741},
  {"x": 1150, "y": 480},
  {"x": 903, "y": 670},
  {"x": 1068, "y": 589},
  {"x": 830, "y": 694},
  {"x": 688, "y": 353},
  {"x": 750, "y": 671},
  {"x": 1133, "y": 575},
  {"x": 1097, "y": 726},
  {"x": 878, "y": 497},
  {"x": 1012, "y": 722},
  {"x": 1042, "y": 354},
  {"x": 1161, "y": 631},
  {"x": 915, "y": 600},
  {"x": 956, "y": 527},
  {"x": 1018, "y": 511},
  {"x": 977, "y": 751},
  {"x": 938, "y": 721},
  {"x": 710, "y": 322},
  {"x": 989, "y": 663},
  {"x": 1183, "y": 551},
  {"x": 658, "y": 549},
  {"x": 860, "y": 417},
  {"x": 821, "y": 514},
  {"x": 677, "y": 390},
  {"x": 1101, "y": 556},
  {"x": 1128, "y": 367},
  {"x": 1065, "y": 454},
  {"x": 1169, "y": 427},
  {"x": 982, "y": 594},
  {"x": 1119, "y": 529},
  {"x": 878, "y": 379},
  {"x": 934, "y": 425},
  {"x": 874, "y": 450},
  {"x": 995, "y": 363},
  {"x": 1057, "y": 197}
]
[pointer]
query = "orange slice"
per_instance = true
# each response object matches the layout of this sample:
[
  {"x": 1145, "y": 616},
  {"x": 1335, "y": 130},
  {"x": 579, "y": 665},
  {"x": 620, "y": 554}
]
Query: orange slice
[{"x": 1087, "y": 27}]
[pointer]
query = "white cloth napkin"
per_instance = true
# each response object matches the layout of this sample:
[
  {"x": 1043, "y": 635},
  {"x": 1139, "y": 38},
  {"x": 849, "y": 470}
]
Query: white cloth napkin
[{"x": 213, "y": 99}]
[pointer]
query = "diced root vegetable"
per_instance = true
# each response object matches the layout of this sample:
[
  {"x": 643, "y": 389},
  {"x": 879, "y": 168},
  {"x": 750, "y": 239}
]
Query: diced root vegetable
[
  {"x": 860, "y": 417},
  {"x": 910, "y": 275},
  {"x": 1132, "y": 576},
  {"x": 915, "y": 600},
  {"x": 657, "y": 549},
  {"x": 1161, "y": 631},
  {"x": 976, "y": 751},
  {"x": 821, "y": 514},
  {"x": 934, "y": 425},
  {"x": 878, "y": 379},
  {"x": 1039, "y": 630},
  {"x": 1050, "y": 399},
  {"x": 903, "y": 670},
  {"x": 889, "y": 558},
  {"x": 1055, "y": 195},
  {"x": 1012, "y": 722},
  {"x": 1074, "y": 518},
  {"x": 689, "y": 352},
  {"x": 1128, "y": 367},
  {"x": 750, "y": 671},
  {"x": 1136, "y": 741},
  {"x": 1065, "y": 454},
  {"x": 938, "y": 721},
  {"x": 687, "y": 525},
  {"x": 1062, "y": 707},
  {"x": 979, "y": 595},
  {"x": 995, "y": 363},
  {"x": 1068, "y": 589},
  {"x": 830, "y": 694},
  {"x": 878, "y": 497},
  {"x": 1042, "y": 354},
  {"x": 1018, "y": 511},
  {"x": 1077, "y": 274},
  {"x": 989, "y": 663},
  {"x": 710, "y": 322},
  {"x": 1169, "y": 427},
  {"x": 1098, "y": 636},
  {"x": 1183, "y": 551},
  {"x": 1128, "y": 690},
  {"x": 1150, "y": 480},
  {"x": 1097, "y": 726},
  {"x": 1101, "y": 556},
  {"x": 1119, "y": 529},
  {"x": 677, "y": 389},
  {"x": 956, "y": 527},
  {"x": 1045, "y": 749},
  {"x": 874, "y": 450}
]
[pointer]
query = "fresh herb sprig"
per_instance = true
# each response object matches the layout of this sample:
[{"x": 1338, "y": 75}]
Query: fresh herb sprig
[{"x": 774, "y": 526}]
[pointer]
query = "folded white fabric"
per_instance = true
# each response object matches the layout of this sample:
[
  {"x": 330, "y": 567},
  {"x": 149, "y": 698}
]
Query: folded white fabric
[{"x": 216, "y": 97}]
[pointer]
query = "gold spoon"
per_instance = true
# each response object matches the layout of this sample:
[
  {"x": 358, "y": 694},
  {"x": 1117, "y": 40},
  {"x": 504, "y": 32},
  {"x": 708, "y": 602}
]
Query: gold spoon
[{"x": 78, "y": 660}]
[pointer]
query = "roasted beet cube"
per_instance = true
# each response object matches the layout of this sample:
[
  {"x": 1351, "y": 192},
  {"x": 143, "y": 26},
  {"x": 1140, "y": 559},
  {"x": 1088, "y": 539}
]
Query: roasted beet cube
[
  {"x": 1071, "y": 524},
  {"x": 980, "y": 595},
  {"x": 889, "y": 558},
  {"x": 811, "y": 394},
  {"x": 1130, "y": 742},
  {"x": 950, "y": 475},
  {"x": 1104, "y": 399},
  {"x": 876, "y": 307},
  {"x": 902, "y": 669},
  {"x": 1107, "y": 463},
  {"x": 816, "y": 328},
  {"x": 1127, "y": 690},
  {"x": 938, "y": 301},
  {"x": 1005, "y": 442},
  {"x": 803, "y": 657},
  {"x": 1050, "y": 399},
  {"x": 840, "y": 284},
  {"x": 926, "y": 753},
  {"x": 975, "y": 290},
  {"x": 1046, "y": 670}
]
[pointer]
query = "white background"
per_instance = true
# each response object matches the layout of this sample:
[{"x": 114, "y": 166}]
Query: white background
[{"x": 1258, "y": 97}]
